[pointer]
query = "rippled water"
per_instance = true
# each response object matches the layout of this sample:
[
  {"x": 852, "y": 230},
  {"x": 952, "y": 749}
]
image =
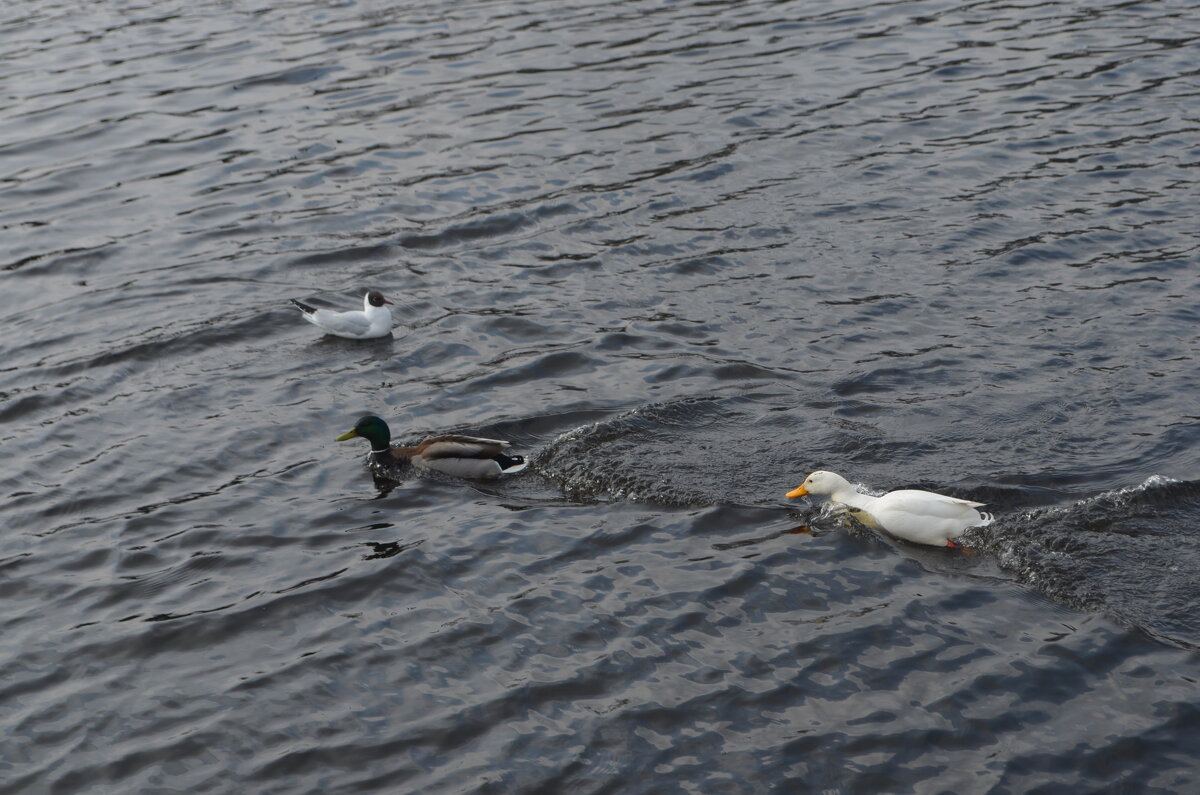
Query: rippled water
[{"x": 681, "y": 254}]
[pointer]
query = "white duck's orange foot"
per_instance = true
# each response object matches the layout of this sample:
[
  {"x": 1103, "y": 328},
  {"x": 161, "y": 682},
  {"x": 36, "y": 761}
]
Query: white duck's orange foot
[{"x": 955, "y": 545}]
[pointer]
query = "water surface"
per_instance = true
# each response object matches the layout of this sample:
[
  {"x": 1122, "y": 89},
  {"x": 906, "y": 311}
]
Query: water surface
[{"x": 681, "y": 254}]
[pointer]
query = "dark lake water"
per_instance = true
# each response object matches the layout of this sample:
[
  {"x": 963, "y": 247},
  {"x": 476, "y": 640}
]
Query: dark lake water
[{"x": 682, "y": 254}]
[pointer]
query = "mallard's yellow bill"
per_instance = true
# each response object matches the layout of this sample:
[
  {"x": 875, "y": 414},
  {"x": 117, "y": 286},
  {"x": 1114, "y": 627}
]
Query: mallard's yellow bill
[
  {"x": 799, "y": 491},
  {"x": 347, "y": 435}
]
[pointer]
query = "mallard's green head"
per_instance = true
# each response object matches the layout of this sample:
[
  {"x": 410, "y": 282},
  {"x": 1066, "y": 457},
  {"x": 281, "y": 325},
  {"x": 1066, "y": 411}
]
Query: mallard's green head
[{"x": 374, "y": 430}]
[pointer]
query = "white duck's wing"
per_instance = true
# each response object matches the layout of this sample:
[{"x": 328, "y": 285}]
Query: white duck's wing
[
  {"x": 929, "y": 503},
  {"x": 343, "y": 324},
  {"x": 925, "y": 517}
]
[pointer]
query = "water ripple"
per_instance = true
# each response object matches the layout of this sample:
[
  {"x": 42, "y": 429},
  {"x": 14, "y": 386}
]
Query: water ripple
[{"x": 681, "y": 255}]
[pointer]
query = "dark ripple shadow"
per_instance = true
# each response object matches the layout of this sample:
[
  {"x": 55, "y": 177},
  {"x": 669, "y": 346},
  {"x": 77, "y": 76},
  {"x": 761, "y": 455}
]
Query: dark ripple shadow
[
  {"x": 663, "y": 454},
  {"x": 1128, "y": 552}
]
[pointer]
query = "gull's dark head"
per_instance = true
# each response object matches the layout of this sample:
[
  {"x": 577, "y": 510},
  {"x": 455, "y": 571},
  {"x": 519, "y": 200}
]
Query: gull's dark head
[{"x": 375, "y": 298}]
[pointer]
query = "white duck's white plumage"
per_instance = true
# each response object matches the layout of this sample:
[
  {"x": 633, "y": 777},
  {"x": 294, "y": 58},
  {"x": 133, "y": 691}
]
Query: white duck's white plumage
[
  {"x": 919, "y": 516},
  {"x": 375, "y": 319}
]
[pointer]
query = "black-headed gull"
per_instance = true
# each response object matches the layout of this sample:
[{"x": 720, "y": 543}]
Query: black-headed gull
[{"x": 375, "y": 319}]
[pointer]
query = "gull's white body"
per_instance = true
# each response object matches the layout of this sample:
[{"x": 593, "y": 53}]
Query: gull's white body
[
  {"x": 919, "y": 516},
  {"x": 371, "y": 322}
]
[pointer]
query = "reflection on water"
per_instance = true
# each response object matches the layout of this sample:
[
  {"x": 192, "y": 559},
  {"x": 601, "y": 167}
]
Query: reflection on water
[{"x": 682, "y": 254}]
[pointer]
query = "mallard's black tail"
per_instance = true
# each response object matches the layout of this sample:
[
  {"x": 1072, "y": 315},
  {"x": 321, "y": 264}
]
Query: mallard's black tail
[{"x": 508, "y": 461}]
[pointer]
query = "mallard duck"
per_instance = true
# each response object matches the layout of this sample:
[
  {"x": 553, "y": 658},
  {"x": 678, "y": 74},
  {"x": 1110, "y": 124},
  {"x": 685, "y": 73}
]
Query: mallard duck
[
  {"x": 461, "y": 456},
  {"x": 375, "y": 319},
  {"x": 919, "y": 516}
]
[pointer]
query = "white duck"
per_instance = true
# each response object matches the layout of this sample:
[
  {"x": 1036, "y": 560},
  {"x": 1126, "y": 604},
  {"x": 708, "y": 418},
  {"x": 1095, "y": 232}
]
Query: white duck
[
  {"x": 375, "y": 319},
  {"x": 919, "y": 516}
]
